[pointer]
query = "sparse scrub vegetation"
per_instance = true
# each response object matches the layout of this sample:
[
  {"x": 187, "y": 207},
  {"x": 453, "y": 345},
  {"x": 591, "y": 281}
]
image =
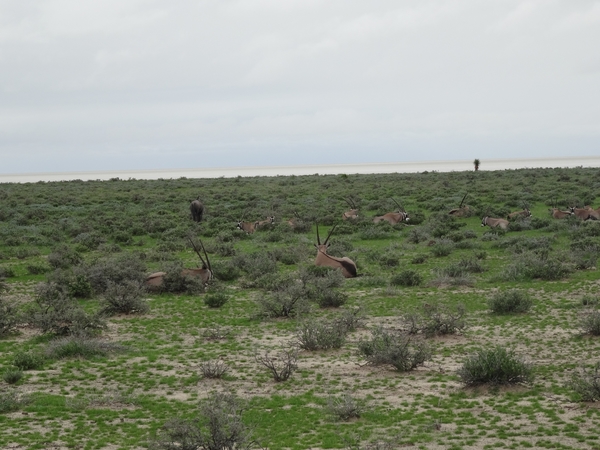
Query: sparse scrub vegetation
[
  {"x": 99, "y": 237},
  {"x": 511, "y": 301},
  {"x": 495, "y": 366}
]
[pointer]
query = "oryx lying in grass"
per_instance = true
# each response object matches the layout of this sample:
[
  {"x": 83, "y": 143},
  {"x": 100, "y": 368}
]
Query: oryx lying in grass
[
  {"x": 393, "y": 217},
  {"x": 594, "y": 213},
  {"x": 205, "y": 273},
  {"x": 197, "y": 210},
  {"x": 462, "y": 210},
  {"x": 519, "y": 214},
  {"x": 351, "y": 213},
  {"x": 558, "y": 214},
  {"x": 347, "y": 266},
  {"x": 493, "y": 223},
  {"x": 261, "y": 223},
  {"x": 580, "y": 213}
]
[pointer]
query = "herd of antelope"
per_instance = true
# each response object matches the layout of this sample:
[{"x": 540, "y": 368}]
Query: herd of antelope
[{"x": 345, "y": 264}]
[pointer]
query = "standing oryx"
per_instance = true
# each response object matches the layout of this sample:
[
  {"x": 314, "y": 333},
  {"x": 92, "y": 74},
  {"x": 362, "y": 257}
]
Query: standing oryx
[
  {"x": 347, "y": 266},
  {"x": 462, "y": 210},
  {"x": 393, "y": 217},
  {"x": 580, "y": 213},
  {"x": 197, "y": 210},
  {"x": 205, "y": 273},
  {"x": 493, "y": 223},
  {"x": 352, "y": 213}
]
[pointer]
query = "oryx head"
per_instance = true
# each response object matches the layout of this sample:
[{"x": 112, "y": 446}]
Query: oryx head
[
  {"x": 401, "y": 210},
  {"x": 484, "y": 221},
  {"x": 322, "y": 247},
  {"x": 205, "y": 262}
]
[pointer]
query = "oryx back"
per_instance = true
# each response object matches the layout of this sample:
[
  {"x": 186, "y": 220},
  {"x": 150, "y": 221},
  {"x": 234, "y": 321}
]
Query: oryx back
[
  {"x": 392, "y": 218},
  {"x": 494, "y": 223},
  {"x": 345, "y": 264}
]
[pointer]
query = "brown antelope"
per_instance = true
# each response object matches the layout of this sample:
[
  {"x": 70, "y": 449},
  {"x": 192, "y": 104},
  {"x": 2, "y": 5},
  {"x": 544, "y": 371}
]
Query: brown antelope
[
  {"x": 248, "y": 227},
  {"x": 580, "y": 213},
  {"x": 461, "y": 211},
  {"x": 493, "y": 223},
  {"x": 518, "y": 214},
  {"x": 293, "y": 222},
  {"x": 353, "y": 212},
  {"x": 594, "y": 213},
  {"x": 261, "y": 223},
  {"x": 393, "y": 217},
  {"x": 197, "y": 210},
  {"x": 347, "y": 266},
  {"x": 156, "y": 280},
  {"x": 558, "y": 214}
]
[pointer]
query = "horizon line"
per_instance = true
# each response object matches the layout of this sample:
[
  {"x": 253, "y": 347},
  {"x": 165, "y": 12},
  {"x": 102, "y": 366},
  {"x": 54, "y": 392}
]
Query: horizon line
[{"x": 308, "y": 169}]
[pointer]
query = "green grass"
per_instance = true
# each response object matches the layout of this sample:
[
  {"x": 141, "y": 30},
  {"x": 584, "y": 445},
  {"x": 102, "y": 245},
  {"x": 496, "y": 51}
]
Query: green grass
[{"x": 121, "y": 398}]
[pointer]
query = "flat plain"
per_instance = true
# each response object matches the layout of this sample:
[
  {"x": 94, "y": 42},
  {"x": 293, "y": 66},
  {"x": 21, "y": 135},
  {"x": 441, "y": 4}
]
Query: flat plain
[{"x": 84, "y": 239}]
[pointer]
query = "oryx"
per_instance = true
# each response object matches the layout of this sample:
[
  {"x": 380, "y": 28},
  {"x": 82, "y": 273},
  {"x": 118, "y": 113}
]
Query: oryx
[
  {"x": 580, "y": 213},
  {"x": 493, "y": 223},
  {"x": 393, "y": 217},
  {"x": 461, "y": 211},
  {"x": 260, "y": 223},
  {"x": 594, "y": 213},
  {"x": 518, "y": 214},
  {"x": 347, "y": 266},
  {"x": 155, "y": 280},
  {"x": 558, "y": 214},
  {"x": 293, "y": 222},
  {"x": 353, "y": 212},
  {"x": 248, "y": 227},
  {"x": 197, "y": 210}
]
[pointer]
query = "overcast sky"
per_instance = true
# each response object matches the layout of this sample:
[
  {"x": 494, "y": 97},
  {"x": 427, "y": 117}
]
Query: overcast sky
[{"x": 157, "y": 84}]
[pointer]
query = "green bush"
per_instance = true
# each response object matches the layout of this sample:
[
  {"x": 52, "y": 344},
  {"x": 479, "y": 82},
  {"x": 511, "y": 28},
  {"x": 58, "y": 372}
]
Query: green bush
[
  {"x": 80, "y": 346},
  {"x": 390, "y": 348},
  {"x": 37, "y": 268},
  {"x": 511, "y": 301},
  {"x": 344, "y": 407},
  {"x": 12, "y": 375},
  {"x": 495, "y": 366},
  {"x": 312, "y": 335},
  {"x": 215, "y": 299},
  {"x": 218, "y": 426},
  {"x": 12, "y": 401},
  {"x": 9, "y": 315},
  {"x": 586, "y": 383},
  {"x": 29, "y": 360},
  {"x": 590, "y": 321},
  {"x": 117, "y": 269},
  {"x": 443, "y": 247},
  {"x": 7, "y": 272},
  {"x": 126, "y": 298},
  {"x": 407, "y": 278},
  {"x": 225, "y": 270},
  {"x": 434, "y": 319},
  {"x": 63, "y": 256}
]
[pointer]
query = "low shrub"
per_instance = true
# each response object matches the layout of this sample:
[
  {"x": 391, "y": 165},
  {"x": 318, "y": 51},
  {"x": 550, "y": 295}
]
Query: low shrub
[
  {"x": 586, "y": 383},
  {"x": 116, "y": 268},
  {"x": 53, "y": 311},
  {"x": 215, "y": 299},
  {"x": 511, "y": 301},
  {"x": 402, "y": 352},
  {"x": 590, "y": 321},
  {"x": 219, "y": 425},
  {"x": 176, "y": 281},
  {"x": 225, "y": 270},
  {"x": 37, "y": 268},
  {"x": 351, "y": 319},
  {"x": 12, "y": 401},
  {"x": 443, "y": 247},
  {"x": 495, "y": 366},
  {"x": 29, "y": 360},
  {"x": 344, "y": 407},
  {"x": 63, "y": 257},
  {"x": 312, "y": 335},
  {"x": 419, "y": 259},
  {"x": 433, "y": 319},
  {"x": 80, "y": 346},
  {"x": 533, "y": 265},
  {"x": 407, "y": 278},
  {"x": 12, "y": 375},
  {"x": 289, "y": 300},
  {"x": 126, "y": 298},
  {"x": 282, "y": 365},
  {"x": 9, "y": 315},
  {"x": 213, "y": 369},
  {"x": 7, "y": 272}
]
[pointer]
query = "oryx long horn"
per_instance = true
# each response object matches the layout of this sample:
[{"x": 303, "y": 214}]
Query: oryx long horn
[
  {"x": 398, "y": 204},
  {"x": 463, "y": 200},
  {"x": 207, "y": 263},
  {"x": 329, "y": 235},
  {"x": 351, "y": 205},
  {"x": 318, "y": 239}
]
